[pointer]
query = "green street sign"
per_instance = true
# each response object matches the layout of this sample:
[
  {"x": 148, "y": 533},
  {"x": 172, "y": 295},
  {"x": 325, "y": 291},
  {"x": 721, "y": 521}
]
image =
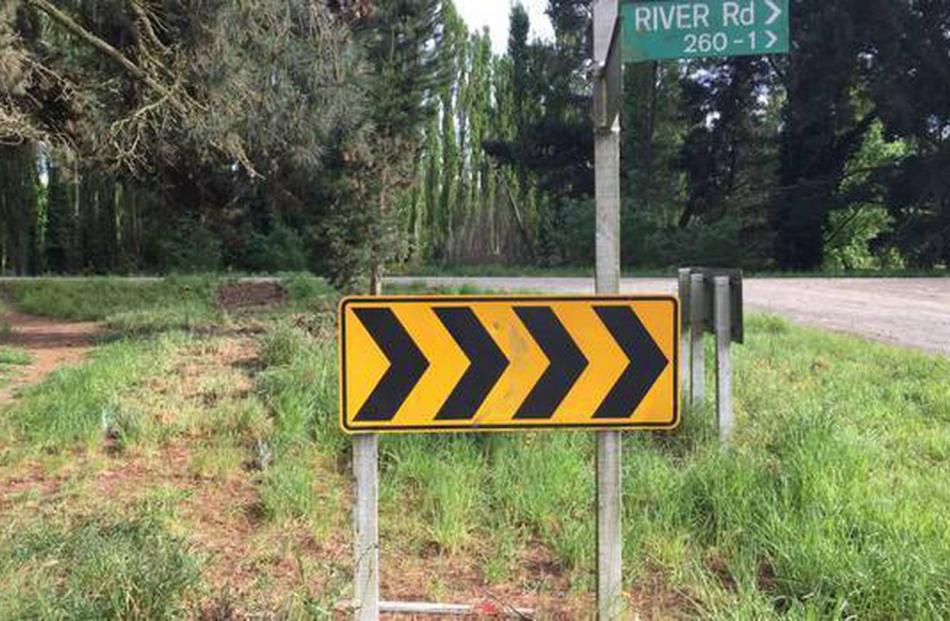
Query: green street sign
[{"x": 699, "y": 28}]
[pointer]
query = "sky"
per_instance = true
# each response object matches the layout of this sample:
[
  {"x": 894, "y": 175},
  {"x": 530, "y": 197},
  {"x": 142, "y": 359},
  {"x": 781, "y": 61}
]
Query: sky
[{"x": 494, "y": 14}]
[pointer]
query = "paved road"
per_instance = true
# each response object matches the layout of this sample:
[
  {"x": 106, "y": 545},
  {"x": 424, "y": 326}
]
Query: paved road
[{"x": 914, "y": 312}]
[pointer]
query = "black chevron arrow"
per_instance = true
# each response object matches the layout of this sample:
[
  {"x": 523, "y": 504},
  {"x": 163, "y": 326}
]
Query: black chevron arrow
[
  {"x": 646, "y": 364},
  {"x": 565, "y": 362},
  {"x": 406, "y": 364},
  {"x": 486, "y": 363}
]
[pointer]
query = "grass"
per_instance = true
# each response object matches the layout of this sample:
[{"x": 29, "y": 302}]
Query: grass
[
  {"x": 298, "y": 386},
  {"x": 97, "y": 568},
  {"x": 97, "y": 299},
  {"x": 223, "y": 453},
  {"x": 146, "y": 306},
  {"x": 10, "y": 359},
  {"x": 11, "y": 355},
  {"x": 80, "y": 405},
  {"x": 4, "y": 322}
]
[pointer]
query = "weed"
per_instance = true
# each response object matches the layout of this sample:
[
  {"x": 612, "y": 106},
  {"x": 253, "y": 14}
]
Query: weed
[
  {"x": 100, "y": 298},
  {"x": 283, "y": 345},
  {"x": 304, "y": 289},
  {"x": 187, "y": 316},
  {"x": 10, "y": 358},
  {"x": 287, "y": 489},
  {"x": 79, "y": 404},
  {"x": 10, "y": 355},
  {"x": 298, "y": 385},
  {"x": 500, "y": 560},
  {"x": 217, "y": 460},
  {"x": 244, "y": 420},
  {"x": 770, "y": 324},
  {"x": 96, "y": 569},
  {"x": 5, "y": 327},
  {"x": 829, "y": 503},
  {"x": 445, "y": 479},
  {"x": 127, "y": 426}
]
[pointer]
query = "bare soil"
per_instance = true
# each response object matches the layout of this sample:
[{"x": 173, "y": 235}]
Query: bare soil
[
  {"x": 52, "y": 343},
  {"x": 247, "y": 294}
]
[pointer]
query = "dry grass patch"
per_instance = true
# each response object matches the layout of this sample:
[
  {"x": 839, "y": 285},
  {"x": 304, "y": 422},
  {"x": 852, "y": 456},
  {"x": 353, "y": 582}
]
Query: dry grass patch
[{"x": 181, "y": 444}]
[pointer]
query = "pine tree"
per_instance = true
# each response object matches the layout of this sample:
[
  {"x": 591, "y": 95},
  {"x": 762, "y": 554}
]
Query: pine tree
[
  {"x": 60, "y": 221},
  {"x": 19, "y": 208},
  {"x": 822, "y": 129},
  {"x": 402, "y": 41}
]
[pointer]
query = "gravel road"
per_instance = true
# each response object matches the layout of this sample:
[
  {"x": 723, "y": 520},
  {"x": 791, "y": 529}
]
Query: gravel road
[{"x": 914, "y": 312}]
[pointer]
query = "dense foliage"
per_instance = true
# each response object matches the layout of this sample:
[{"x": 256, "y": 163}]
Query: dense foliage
[{"x": 347, "y": 135}]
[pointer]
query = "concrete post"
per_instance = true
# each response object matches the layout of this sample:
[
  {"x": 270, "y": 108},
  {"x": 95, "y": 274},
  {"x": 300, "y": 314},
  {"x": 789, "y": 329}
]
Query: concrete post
[
  {"x": 366, "y": 527},
  {"x": 607, "y": 189}
]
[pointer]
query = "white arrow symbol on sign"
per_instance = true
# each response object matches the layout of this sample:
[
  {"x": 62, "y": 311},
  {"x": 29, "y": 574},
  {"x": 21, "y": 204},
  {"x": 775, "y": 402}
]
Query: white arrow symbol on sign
[
  {"x": 772, "y": 39},
  {"x": 776, "y": 11}
]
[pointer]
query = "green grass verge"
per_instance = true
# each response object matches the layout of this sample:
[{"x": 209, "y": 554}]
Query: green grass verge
[
  {"x": 80, "y": 404},
  {"x": 98, "y": 299},
  {"x": 10, "y": 359},
  {"x": 132, "y": 307},
  {"x": 126, "y": 306},
  {"x": 830, "y": 503},
  {"x": 12, "y": 355},
  {"x": 97, "y": 568}
]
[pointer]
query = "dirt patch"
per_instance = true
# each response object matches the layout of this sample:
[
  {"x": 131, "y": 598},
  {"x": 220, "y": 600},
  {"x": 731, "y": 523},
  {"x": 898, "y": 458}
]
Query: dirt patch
[
  {"x": 538, "y": 583},
  {"x": 652, "y": 598},
  {"x": 251, "y": 294},
  {"x": 51, "y": 343},
  {"x": 30, "y": 479},
  {"x": 255, "y": 568}
]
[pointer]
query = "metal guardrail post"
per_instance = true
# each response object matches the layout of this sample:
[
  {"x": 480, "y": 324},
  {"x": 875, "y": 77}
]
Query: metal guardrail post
[
  {"x": 697, "y": 362},
  {"x": 682, "y": 290},
  {"x": 724, "y": 415}
]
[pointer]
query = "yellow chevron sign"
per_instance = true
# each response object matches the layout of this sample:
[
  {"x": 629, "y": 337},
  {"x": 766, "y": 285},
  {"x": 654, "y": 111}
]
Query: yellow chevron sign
[{"x": 477, "y": 363}]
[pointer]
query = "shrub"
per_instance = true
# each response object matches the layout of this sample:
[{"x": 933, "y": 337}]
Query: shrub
[
  {"x": 281, "y": 250},
  {"x": 719, "y": 243},
  {"x": 850, "y": 236},
  {"x": 188, "y": 247}
]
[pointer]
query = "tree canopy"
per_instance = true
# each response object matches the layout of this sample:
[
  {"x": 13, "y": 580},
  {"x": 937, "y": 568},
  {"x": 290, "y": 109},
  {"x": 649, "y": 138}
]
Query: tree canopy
[{"x": 343, "y": 136}]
